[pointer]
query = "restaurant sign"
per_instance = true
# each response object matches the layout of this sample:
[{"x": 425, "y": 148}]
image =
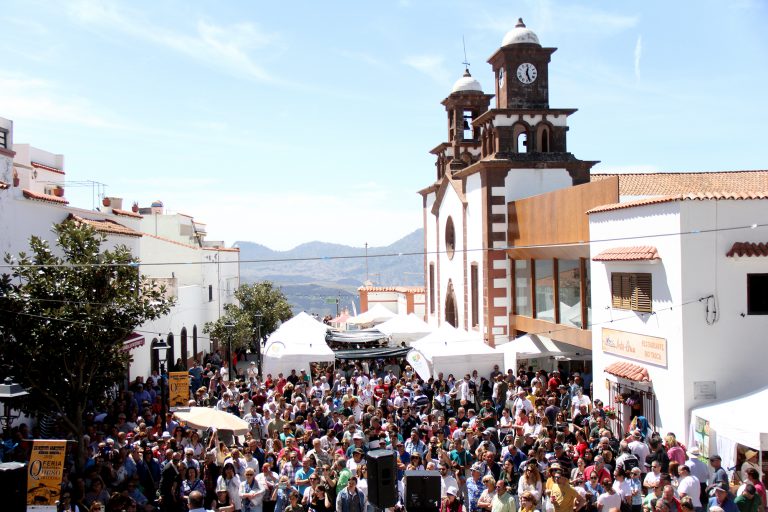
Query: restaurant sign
[{"x": 640, "y": 347}]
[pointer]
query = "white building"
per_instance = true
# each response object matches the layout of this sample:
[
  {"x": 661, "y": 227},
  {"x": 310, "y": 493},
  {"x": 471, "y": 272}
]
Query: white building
[
  {"x": 401, "y": 300},
  {"x": 202, "y": 275},
  {"x": 680, "y": 295}
]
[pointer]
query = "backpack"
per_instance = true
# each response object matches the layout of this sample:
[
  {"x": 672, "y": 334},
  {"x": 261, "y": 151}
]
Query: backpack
[{"x": 630, "y": 462}]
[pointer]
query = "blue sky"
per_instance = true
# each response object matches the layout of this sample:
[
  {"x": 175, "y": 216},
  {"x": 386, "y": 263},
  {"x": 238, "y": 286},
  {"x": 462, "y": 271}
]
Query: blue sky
[{"x": 284, "y": 123}]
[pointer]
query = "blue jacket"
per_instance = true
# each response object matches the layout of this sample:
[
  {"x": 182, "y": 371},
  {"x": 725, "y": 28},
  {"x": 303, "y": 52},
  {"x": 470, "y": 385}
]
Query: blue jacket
[{"x": 344, "y": 499}]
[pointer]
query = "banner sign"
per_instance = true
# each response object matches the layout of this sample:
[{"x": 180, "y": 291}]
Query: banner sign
[
  {"x": 640, "y": 347},
  {"x": 419, "y": 363},
  {"x": 178, "y": 385},
  {"x": 45, "y": 473}
]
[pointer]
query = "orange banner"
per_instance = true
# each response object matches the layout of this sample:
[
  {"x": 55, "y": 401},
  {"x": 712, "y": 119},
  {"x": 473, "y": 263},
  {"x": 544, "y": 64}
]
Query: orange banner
[
  {"x": 44, "y": 474},
  {"x": 178, "y": 386}
]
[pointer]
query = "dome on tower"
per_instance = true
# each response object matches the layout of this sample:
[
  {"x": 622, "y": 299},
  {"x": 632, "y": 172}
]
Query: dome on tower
[
  {"x": 157, "y": 203},
  {"x": 466, "y": 84},
  {"x": 520, "y": 34}
]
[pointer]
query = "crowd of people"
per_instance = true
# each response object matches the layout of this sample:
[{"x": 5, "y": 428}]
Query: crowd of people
[{"x": 526, "y": 440}]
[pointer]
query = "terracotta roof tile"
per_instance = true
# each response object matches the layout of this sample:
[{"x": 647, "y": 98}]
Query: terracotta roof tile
[
  {"x": 105, "y": 226},
  {"x": 47, "y": 167},
  {"x": 126, "y": 213},
  {"x": 400, "y": 289},
  {"x": 636, "y": 253},
  {"x": 4, "y": 185},
  {"x": 43, "y": 197},
  {"x": 629, "y": 371},
  {"x": 669, "y": 183},
  {"x": 748, "y": 249},
  {"x": 738, "y": 196}
]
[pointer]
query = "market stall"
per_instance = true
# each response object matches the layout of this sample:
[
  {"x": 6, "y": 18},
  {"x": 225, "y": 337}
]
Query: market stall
[
  {"x": 448, "y": 350},
  {"x": 297, "y": 344}
]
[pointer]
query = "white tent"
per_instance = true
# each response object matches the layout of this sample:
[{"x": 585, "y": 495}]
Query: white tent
[
  {"x": 298, "y": 342},
  {"x": 533, "y": 346},
  {"x": 376, "y": 315},
  {"x": 455, "y": 351},
  {"x": 405, "y": 328},
  {"x": 742, "y": 420}
]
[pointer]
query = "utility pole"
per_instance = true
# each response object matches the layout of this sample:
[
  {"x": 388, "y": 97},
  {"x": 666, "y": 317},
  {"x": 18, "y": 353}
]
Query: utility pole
[{"x": 366, "y": 261}]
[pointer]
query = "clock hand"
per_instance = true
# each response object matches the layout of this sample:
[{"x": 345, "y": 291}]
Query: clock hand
[{"x": 528, "y": 73}]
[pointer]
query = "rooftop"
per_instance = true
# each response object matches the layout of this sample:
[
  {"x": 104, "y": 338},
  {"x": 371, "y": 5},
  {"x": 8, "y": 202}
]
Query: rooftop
[
  {"x": 670, "y": 183},
  {"x": 679, "y": 197},
  {"x": 635, "y": 253},
  {"x": 748, "y": 249},
  {"x": 105, "y": 226}
]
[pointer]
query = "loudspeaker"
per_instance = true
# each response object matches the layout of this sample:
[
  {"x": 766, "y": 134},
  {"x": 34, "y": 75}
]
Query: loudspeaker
[
  {"x": 382, "y": 478},
  {"x": 13, "y": 481},
  {"x": 422, "y": 491}
]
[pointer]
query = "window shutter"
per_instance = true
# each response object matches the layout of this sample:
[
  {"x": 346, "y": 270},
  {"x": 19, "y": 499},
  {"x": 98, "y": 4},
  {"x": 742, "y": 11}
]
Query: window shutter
[
  {"x": 641, "y": 293},
  {"x": 616, "y": 290},
  {"x": 626, "y": 291}
]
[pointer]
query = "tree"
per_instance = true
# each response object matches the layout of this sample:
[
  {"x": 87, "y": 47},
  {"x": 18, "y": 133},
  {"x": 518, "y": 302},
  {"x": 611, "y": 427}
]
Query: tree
[
  {"x": 64, "y": 318},
  {"x": 251, "y": 298}
]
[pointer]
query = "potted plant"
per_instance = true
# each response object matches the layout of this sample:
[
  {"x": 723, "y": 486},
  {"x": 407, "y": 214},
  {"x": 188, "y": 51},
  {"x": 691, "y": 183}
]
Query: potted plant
[
  {"x": 610, "y": 412},
  {"x": 58, "y": 191},
  {"x": 16, "y": 179},
  {"x": 135, "y": 207},
  {"x": 106, "y": 202}
]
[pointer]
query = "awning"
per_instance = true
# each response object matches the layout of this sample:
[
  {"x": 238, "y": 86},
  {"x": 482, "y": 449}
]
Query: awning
[
  {"x": 633, "y": 253},
  {"x": 134, "y": 340},
  {"x": 372, "y": 353},
  {"x": 629, "y": 371},
  {"x": 355, "y": 336}
]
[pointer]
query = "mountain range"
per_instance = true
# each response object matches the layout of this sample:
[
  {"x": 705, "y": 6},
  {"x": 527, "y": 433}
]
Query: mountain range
[{"x": 315, "y": 275}]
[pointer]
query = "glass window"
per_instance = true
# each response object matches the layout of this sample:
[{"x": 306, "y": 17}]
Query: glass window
[
  {"x": 588, "y": 294},
  {"x": 569, "y": 292},
  {"x": 522, "y": 287},
  {"x": 545, "y": 290}
]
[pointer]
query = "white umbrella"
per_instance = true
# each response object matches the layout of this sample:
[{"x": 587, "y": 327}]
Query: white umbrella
[{"x": 206, "y": 417}]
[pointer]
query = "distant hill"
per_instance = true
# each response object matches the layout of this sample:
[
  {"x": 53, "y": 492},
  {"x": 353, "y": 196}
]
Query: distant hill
[{"x": 314, "y": 274}]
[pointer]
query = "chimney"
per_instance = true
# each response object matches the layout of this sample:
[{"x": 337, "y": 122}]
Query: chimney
[{"x": 116, "y": 203}]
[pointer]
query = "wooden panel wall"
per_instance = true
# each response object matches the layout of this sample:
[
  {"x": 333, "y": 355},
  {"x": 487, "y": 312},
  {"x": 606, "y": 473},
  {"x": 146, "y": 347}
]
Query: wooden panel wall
[{"x": 558, "y": 217}]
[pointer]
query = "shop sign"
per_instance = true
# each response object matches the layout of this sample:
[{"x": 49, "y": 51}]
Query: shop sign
[{"x": 648, "y": 349}]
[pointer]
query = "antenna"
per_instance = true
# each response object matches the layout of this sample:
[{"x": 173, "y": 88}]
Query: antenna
[{"x": 464, "y": 45}]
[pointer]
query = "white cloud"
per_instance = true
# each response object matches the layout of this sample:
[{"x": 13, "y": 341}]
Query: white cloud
[
  {"x": 430, "y": 65},
  {"x": 219, "y": 46},
  {"x": 638, "y": 55},
  {"x": 35, "y": 99}
]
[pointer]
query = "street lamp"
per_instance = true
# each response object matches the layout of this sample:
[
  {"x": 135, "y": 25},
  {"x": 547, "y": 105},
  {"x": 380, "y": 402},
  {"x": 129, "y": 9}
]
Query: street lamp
[
  {"x": 9, "y": 391},
  {"x": 229, "y": 326},
  {"x": 257, "y": 317},
  {"x": 161, "y": 348}
]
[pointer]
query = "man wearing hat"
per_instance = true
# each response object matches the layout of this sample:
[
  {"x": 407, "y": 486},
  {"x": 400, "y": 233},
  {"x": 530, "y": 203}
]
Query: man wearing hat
[
  {"x": 750, "y": 461},
  {"x": 699, "y": 469},
  {"x": 722, "y": 498},
  {"x": 475, "y": 486}
]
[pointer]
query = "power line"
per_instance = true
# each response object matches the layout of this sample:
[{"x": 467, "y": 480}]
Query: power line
[{"x": 389, "y": 255}]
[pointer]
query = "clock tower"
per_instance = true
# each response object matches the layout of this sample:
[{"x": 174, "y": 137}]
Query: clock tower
[{"x": 521, "y": 70}]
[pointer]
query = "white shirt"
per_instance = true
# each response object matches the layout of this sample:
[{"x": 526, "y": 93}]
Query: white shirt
[
  {"x": 640, "y": 450},
  {"x": 607, "y": 501},
  {"x": 690, "y": 487}
]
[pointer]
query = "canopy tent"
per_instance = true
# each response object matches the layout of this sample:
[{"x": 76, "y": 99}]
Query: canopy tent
[
  {"x": 376, "y": 315},
  {"x": 454, "y": 351},
  {"x": 533, "y": 346},
  {"x": 405, "y": 329},
  {"x": 340, "y": 320},
  {"x": 718, "y": 427},
  {"x": 297, "y": 343},
  {"x": 364, "y": 336}
]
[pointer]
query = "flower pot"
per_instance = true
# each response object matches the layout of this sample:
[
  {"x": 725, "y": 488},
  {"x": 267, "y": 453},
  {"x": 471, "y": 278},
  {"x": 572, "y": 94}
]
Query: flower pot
[
  {"x": 16, "y": 181},
  {"x": 58, "y": 192},
  {"x": 135, "y": 208},
  {"x": 106, "y": 201}
]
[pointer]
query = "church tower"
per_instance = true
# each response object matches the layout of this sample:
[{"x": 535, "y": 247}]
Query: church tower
[{"x": 493, "y": 157}]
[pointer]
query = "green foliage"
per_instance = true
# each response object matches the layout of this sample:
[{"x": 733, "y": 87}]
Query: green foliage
[
  {"x": 261, "y": 297},
  {"x": 64, "y": 312}
]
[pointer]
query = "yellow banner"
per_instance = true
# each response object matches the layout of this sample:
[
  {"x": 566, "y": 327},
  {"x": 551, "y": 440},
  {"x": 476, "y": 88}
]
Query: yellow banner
[
  {"x": 178, "y": 385},
  {"x": 640, "y": 347},
  {"x": 44, "y": 474}
]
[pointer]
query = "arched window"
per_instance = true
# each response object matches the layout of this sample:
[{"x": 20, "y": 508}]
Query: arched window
[
  {"x": 451, "y": 310},
  {"x": 184, "y": 350},
  {"x": 194, "y": 342},
  {"x": 520, "y": 137},
  {"x": 542, "y": 138},
  {"x": 171, "y": 360}
]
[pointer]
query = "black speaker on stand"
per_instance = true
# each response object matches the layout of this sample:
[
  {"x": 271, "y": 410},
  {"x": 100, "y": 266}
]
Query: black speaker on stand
[
  {"x": 422, "y": 491},
  {"x": 382, "y": 478},
  {"x": 13, "y": 482}
]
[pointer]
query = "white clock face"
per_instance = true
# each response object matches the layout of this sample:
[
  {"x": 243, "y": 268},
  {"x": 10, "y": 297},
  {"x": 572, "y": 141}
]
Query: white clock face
[
  {"x": 526, "y": 73},
  {"x": 501, "y": 77}
]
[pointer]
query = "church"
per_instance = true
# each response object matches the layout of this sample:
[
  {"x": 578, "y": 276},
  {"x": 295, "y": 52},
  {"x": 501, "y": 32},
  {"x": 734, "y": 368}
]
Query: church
[{"x": 496, "y": 156}]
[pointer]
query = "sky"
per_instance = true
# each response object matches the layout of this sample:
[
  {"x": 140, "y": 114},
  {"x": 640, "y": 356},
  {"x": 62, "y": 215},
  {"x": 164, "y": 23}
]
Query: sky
[{"x": 287, "y": 123}]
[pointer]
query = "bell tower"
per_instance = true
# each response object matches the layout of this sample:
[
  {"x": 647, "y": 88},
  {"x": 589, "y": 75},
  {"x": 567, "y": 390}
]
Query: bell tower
[{"x": 521, "y": 68}]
